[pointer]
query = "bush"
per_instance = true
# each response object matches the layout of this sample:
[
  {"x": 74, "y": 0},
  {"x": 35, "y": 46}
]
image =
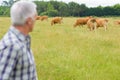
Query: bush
[
  {"x": 52, "y": 13},
  {"x": 44, "y": 13}
]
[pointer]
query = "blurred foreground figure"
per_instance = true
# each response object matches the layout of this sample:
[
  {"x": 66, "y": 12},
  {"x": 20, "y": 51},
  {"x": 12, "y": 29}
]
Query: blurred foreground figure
[{"x": 16, "y": 57}]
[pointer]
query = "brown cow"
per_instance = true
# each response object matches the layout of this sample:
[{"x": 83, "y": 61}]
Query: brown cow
[
  {"x": 56, "y": 20},
  {"x": 38, "y": 17},
  {"x": 42, "y": 18},
  {"x": 81, "y": 21},
  {"x": 101, "y": 23},
  {"x": 91, "y": 24},
  {"x": 117, "y": 22}
]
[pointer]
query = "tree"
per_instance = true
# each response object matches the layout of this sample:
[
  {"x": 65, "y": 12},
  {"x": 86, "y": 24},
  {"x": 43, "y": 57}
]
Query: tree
[
  {"x": 9, "y": 3},
  {"x": 55, "y": 4},
  {"x": 50, "y": 7},
  {"x": 82, "y": 10},
  {"x": 51, "y": 11},
  {"x": 74, "y": 8},
  {"x": 117, "y": 9},
  {"x": 108, "y": 11},
  {"x": 59, "y": 8},
  {"x": 41, "y": 6},
  {"x": 63, "y": 9}
]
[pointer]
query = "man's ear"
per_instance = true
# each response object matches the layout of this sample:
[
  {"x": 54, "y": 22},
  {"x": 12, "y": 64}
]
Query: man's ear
[{"x": 28, "y": 21}]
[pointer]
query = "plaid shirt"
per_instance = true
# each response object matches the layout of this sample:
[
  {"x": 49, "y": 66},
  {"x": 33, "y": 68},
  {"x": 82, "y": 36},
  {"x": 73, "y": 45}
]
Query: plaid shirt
[{"x": 16, "y": 58}]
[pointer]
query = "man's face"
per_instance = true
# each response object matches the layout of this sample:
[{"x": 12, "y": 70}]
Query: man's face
[{"x": 31, "y": 23}]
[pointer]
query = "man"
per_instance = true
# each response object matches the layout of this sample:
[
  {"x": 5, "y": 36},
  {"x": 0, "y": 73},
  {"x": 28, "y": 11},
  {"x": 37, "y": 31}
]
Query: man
[{"x": 16, "y": 58}]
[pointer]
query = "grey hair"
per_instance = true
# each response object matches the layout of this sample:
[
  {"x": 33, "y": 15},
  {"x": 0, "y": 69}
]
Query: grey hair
[{"x": 22, "y": 10}]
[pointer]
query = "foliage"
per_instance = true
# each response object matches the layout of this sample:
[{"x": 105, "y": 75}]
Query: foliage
[
  {"x": 4, "y": 11},
  {"x": 52, "y": 13},
  {"x": 59, "y": 8}
]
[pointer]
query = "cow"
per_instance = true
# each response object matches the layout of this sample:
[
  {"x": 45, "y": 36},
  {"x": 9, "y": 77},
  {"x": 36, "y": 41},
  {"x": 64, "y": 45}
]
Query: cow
[
  {"x": 81, "y": 21},
  {"x": 100, "y": 22},
  {"x": 91, "y": 24},
  {"x": 38, "y": 17},
  {"x": 56, "y": 20},
  {"x": 42, "y": 18},
  {"x": 117, "y": 22}
]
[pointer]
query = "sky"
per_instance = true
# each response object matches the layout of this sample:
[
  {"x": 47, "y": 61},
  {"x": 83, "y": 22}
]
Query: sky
[{"x": 90, "y": 3}]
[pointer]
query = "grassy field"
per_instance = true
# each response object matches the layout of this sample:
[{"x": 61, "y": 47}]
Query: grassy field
[{"x": 66, "y": 53}]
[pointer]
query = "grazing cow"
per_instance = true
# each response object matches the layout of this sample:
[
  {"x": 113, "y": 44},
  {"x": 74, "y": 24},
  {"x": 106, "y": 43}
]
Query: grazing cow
[
  {"x": 101, "y": 23},
  {"x": 117, "y": 22},
  {"x": 38, "y": 17},
  {"x": 56, "y": 20},
  {"x": 81, "y": 21},
  {"x": 91, "y": 24},
  {"x": 42, "y": 18}
]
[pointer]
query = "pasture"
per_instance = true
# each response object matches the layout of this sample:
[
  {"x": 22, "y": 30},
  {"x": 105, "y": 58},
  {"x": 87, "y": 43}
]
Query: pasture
[{"x": 65, "y": 53}]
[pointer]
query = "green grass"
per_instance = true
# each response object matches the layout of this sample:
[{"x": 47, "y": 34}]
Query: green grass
[{"x": 65, "y": 53}]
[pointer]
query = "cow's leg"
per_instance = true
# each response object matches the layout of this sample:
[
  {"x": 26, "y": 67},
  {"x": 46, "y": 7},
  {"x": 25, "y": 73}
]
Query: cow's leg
[
  {"x": 105, "y": 27},
  {"x": 94, "y": 26}
]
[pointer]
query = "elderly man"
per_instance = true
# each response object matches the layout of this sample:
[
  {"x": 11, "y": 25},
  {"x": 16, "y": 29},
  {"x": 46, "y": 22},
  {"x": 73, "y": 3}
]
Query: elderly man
[{"x": 16, "y": 58}]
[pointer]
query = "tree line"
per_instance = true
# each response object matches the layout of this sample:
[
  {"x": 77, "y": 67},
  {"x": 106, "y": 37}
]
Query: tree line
[{"x": 58, "y": 8}]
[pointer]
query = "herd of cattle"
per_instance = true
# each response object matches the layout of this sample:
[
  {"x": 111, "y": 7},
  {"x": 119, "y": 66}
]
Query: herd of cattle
[
  {"x": 91, "y": 22},
  {"x": 55, "y": 20}
]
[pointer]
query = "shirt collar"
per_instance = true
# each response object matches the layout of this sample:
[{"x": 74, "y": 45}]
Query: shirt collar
[{"x": 18, "y": 34}]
